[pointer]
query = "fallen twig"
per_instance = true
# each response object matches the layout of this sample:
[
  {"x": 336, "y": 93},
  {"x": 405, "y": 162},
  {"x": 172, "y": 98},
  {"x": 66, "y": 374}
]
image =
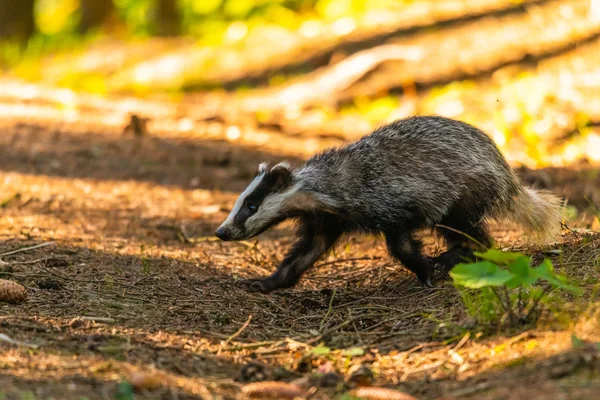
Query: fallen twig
[
  {"x": 422, "y": 369},
  {"x": 462, "y": 341},
  {"x": 37, "y": 260},
  {"x": 471, "y": 389},
  {"x": 329, "y": 309},
  {"x": 22, "y": 249},
  {"x": 341, "y": 260},
  {"x": 7, "y": 339},
  {"x": 97, "y": 319},
  {"x": 239, "y": 331}
]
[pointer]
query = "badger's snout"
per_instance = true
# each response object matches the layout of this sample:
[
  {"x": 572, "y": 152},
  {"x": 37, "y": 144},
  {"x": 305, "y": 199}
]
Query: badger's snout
[{"x": 223, "y": 233}]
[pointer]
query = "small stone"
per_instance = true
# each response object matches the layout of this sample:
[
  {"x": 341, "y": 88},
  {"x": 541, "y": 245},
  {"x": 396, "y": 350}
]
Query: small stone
[
  {"x": 330, "y": 379},
  {"x": 57, "y": 263},
  {"x": 360, "y": 375},
  {"x": 252, "y": 372},
  {"x": 50, "y": 284},
  {"x": 145, "y": 381}
]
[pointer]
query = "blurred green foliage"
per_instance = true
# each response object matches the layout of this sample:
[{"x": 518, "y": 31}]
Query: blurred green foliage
[
  {"x": 211, "y": 22},
  {"x": 203, "y": 17}
]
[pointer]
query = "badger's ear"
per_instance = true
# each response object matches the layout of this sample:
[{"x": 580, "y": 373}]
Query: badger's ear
[
  {"x": 280, "y": 175},
  {"x": 262, "y": 167}
]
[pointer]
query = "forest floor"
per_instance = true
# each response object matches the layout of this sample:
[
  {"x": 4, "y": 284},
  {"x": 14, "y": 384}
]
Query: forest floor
[
  {"x": 119, "y": 287},
  {"x": 111, "y": 229}
]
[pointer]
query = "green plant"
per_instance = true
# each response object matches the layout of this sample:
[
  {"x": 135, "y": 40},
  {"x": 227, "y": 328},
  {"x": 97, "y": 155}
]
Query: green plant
[
  {"x": 145, "y": 261},
  {"x": 125, "y": 391},
  {"x": 505, "y": 284}
]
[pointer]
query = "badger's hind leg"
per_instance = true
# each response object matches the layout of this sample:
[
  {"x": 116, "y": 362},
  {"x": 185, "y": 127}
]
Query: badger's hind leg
[
  {"x": 315, "y": 237},
  {"x": 406, "y": 249},
  {"x": 464, "y": 232}
]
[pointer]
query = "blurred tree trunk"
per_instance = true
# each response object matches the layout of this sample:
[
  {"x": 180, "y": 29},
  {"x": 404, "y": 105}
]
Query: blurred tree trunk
[
  {"x": 16, "y": 19},
  {"x": 166, "y": 16},
  {"x": 93, "y": 13}
]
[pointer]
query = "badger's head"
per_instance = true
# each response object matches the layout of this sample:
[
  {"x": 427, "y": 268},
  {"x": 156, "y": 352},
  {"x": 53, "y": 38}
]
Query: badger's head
[{"x": 263, "y": 204}]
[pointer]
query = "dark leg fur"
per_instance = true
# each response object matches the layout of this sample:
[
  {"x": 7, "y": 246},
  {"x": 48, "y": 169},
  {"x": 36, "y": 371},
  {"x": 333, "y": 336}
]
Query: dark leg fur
[
  {"x": 461, "y": 247},
  {"x": 314, "y": 239},
  {"x": 407, "y": 250}
]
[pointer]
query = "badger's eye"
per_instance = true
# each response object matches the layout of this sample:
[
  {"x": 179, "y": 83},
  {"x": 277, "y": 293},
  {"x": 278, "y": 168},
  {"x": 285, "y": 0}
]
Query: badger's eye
[{"x": 251, "y": 208}]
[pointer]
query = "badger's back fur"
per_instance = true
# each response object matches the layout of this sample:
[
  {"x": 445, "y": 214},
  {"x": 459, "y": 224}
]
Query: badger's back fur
[
  {"x": 422, "y": 169},
  {"x": 414, "y": 173}
]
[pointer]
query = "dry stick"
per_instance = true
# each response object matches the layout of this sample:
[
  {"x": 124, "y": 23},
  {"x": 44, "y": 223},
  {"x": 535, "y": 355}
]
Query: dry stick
[
  {"x": 343, "y": 324},
  {"x": 274, "y": 348},
  {"x": 500, "y": 300},
  {"x": 565, "y": 226},
  {"x": 513, "y": 317},
  {"x": 360, "y": 339},
  {"x": 348, "y": 259},
  {"x": 7, "y": 339},
  {"x": 37, "y": 260},
  {"x": 421, "y": 369},
  {"x": 419, "y": 347},
  {"x": 37, "y": 246},
  {"x": 68, "y": 278},
  {"x": 328, "y": 310},
  {"x": 97, "y": 319},
  {"x": 256, "y": 345},
  {"x": 461, "y": 233},
  {"x": 577, "y": 251},
  {"x": 471, "y": 389},
  {"x": 462, "y": 341},
  {"x": 239, "y": 331}
]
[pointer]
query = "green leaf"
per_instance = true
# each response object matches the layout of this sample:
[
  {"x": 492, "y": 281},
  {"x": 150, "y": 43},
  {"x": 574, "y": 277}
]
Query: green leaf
[
  {"x": 498, "y": 257},
  {"x": 321, "y": 350},
  {"x": 354, "y": 352},
  {"x": 524, "y": 275},
  {"x": 546, "y": 272},
  {"x": 125, "y": 391},
  {"x": 575, "y": 341},
  {"x": 348, "y": 396},
  {"x": 480, "y": 274}
]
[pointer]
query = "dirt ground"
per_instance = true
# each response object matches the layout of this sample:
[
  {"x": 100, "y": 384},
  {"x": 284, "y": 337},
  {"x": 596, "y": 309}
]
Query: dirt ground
[{"x": 118, "y": 286}]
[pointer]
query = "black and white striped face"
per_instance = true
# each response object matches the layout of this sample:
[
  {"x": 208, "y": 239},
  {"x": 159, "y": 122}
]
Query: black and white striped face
[{"x": 261, "y": 205}]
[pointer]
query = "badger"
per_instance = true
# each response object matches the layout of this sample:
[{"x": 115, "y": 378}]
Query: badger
[{"x": 420, "y": 172}]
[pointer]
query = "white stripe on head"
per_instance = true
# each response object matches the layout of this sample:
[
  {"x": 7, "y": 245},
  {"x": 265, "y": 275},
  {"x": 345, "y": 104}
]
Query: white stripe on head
[
  {"x": 240, "y": 200},
  {"x": 274, "y": 205}
]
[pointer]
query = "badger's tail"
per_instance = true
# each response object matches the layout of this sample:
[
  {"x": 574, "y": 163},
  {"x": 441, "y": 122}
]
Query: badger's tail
[{"x": 539, "y": 212}]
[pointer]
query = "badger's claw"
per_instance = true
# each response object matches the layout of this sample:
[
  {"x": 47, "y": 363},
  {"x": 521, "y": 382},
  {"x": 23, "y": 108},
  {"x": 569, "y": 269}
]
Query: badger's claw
[
  {"x": 263, "y": 285},
  {"x": 426, "y": 283}
]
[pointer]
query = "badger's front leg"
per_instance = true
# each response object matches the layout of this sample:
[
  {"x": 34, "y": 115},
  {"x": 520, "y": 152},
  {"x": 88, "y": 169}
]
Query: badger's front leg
[{"x": 314, "y": 239}]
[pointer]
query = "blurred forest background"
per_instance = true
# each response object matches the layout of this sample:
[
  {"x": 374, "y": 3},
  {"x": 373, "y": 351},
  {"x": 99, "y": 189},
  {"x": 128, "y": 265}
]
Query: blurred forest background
[{"x": 523, "y": 70}]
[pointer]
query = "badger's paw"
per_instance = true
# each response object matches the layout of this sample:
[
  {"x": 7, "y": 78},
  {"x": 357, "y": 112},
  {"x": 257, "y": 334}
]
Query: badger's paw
[
  {"x": 261, "y": 285},
  {"x": 425, "y": 276},
  {"x": 447, "y": 260}
]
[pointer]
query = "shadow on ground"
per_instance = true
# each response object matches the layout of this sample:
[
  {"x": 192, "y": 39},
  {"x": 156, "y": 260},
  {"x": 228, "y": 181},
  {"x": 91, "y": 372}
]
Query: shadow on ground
[
  {"x": 104, "y": 315},
  {"x": 109, "y": 155}
]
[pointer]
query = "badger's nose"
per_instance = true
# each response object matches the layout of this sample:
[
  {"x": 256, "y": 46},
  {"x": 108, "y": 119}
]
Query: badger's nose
[{"x": 222, "y": 233}]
